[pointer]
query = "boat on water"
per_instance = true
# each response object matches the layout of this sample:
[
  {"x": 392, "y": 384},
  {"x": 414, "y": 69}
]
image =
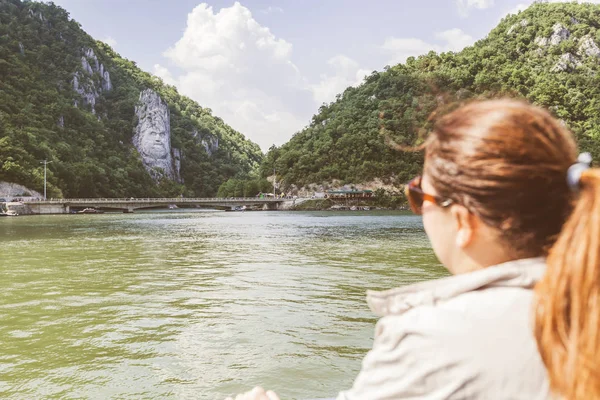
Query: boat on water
[
  {"x": 90, "y": 211},
  {"x": 238, "y": 208},
  {"x": 9, "y": 213}
]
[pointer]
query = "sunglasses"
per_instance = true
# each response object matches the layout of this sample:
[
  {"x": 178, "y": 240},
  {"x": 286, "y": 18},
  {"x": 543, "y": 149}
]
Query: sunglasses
[{"x": 416, "y": 196}]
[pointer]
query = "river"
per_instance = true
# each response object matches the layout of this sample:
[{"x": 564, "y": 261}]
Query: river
[{"x": 196, "y": 304}]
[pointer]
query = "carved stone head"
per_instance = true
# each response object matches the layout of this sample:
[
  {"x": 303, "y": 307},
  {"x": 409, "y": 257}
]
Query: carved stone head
[{"x": 153, "y": 128}]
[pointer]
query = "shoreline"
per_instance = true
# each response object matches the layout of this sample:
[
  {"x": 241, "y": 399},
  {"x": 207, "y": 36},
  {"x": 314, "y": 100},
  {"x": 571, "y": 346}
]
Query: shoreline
[
  {"x": 320, "y": 204},
  {"x": 329, "y": 205}
]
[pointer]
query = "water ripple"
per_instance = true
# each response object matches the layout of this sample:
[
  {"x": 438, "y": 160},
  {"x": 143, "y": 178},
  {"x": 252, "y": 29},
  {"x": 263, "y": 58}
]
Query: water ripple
[{"x": 196, "y": 304}]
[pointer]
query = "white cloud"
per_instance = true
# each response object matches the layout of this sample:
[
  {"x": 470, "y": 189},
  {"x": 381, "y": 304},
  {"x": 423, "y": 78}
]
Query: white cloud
[
  {"x": 241, "y": 71},
  {"x": 455, "y": 39},
  {"x": 519, "y": 7},
  {"x": 110, "y": 41},
  {"x": 272, "y": 10},
  {"x": 164, "y": 74},
  {"x": 400, "y": 49},
  {"x": 465, "y": 6},
  {"x": 346, "y": 72},
  {"x": 246, "y": 75}
]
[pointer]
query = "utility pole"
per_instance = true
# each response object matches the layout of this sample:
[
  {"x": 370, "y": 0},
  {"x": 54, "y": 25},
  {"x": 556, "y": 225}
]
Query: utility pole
[{"x": 45, "y": 162}]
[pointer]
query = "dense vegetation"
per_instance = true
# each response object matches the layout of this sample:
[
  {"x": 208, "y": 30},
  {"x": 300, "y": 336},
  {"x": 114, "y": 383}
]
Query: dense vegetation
[
  {"x": 92, "y": 154},
  {"x": 349, "y": 139},
  {"x": 244, "y": 187}
]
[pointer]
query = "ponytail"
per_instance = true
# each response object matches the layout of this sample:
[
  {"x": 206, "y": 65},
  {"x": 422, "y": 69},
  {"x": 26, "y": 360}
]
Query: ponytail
[{"x": 567, "y": 320}]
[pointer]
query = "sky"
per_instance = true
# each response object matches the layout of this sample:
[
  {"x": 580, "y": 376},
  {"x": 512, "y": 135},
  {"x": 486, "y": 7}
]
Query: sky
[{"x": 266, "y": 66}]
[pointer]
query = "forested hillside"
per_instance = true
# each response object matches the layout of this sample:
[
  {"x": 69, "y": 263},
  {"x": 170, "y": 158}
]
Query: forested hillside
[
  {"x": 74, "y": 101},
  {"x": 548, "y": 54}
]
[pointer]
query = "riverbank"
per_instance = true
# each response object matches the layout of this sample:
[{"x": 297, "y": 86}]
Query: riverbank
[
  {"x": 331, "y": 205},
  {"x": 128, "y": 205}
]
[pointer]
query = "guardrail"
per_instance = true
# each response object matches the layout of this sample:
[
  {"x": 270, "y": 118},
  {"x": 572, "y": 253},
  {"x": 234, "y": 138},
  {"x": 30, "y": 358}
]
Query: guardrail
[{"x": 163, "y": 200}]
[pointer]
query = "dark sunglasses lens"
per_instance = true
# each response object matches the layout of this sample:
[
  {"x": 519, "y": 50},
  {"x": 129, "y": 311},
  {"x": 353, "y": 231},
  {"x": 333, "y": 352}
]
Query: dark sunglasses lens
[{"x": 415, "y": 200}]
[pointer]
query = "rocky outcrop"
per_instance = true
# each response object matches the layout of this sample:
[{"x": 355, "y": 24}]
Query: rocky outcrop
[
  {"x": 37, "y": 14},
  {"x": 61, "y": 121},
  {"x": 567, "y": 62},
  {"x": 86, "y": 90},
  {"x": 89, "y": 55},
  {"x": 523, "y": 23},
  {"x": 177, "y": 161},
  {"x": 84, "y": 84},
  {"x": 588, "y": 48},
  {"x": 106, "y": 83},
  {"x": 559, "y": 34},
  {"x": 209, "y": 142},
  {"x": 152, "y": 136},
  {"x": 22, "y": 48},
  {"x": 86, "y": 66},
  {"x": 541, "y": 41},
  {"x": 8, "y": 191}
]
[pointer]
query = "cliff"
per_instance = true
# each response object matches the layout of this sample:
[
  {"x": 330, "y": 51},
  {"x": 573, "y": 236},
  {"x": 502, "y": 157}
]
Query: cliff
[{"x": 109, "y": 128}]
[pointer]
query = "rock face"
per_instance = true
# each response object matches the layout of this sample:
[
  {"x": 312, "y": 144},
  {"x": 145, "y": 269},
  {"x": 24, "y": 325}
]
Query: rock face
[
  {"x": 177, "y": 161},
  {"x": 86, "y": 90},
  {"x": 84, "y": 83},
  {"x": 37, "y": 15},
  {"x": 106, "y": 83},
  {"x": 152, "y": 136},
  {"x": 567, "y": 62},
  {"x": 209, "y": 142},
  {"x": 523, "y": 23},
  {"x": 560, "y": 34},
  {"x": 541, "y": 41},
  {"x": 588, "y": 48},
  {"x": 10, "y": 190}
]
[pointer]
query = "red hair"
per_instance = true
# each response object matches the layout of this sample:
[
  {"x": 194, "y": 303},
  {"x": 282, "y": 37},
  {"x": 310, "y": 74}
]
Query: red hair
[{"x": 506, "y": 161}]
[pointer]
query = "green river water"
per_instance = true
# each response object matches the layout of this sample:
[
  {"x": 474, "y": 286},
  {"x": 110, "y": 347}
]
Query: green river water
[{"x": 196, "y": 304}]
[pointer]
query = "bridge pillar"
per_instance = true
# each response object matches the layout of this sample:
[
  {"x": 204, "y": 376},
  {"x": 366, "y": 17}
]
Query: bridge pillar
[
  {"x": 271, "y": 206},
  {"x": 67, "y": 209},
  {"x": 128, "y": 210}
]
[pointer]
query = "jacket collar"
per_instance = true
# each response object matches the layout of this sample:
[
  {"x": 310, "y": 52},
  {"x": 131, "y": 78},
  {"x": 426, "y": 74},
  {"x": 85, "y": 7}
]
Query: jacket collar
[{"x": 524, "y": 273}]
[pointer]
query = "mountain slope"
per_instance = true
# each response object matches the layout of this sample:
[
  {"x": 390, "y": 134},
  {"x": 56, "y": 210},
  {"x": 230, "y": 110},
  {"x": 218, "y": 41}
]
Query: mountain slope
[
  {"x": 548, "y": 54},
  {"x": 70, "y": 99}
]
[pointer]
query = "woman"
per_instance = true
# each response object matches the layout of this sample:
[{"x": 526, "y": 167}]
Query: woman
[{"x": 494, "y": 196}]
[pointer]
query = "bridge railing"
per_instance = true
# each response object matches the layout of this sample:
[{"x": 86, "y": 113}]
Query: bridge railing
[{"x": 163, "y": 200}]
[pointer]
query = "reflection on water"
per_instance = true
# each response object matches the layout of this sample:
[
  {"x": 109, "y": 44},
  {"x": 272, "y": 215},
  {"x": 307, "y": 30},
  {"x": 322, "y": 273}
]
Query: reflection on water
[{"x": 196, "y": 304}]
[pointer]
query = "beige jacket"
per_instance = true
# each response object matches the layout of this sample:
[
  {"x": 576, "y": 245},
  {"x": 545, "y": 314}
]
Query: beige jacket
[{"x": 462, "y": 337}]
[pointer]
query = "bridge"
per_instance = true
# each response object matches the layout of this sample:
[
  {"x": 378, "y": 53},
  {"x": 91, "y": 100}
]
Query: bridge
[{"x": 64, "y": 206}]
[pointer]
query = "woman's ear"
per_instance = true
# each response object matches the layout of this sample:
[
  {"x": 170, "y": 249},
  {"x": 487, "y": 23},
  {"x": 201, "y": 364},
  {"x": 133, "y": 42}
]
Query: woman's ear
[{"x": 465, "y": 225}]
